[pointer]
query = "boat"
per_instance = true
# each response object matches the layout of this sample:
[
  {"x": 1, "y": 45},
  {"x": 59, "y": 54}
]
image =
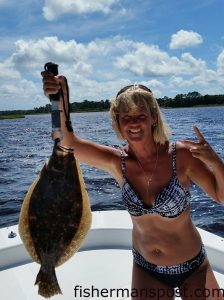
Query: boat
[{"x": 101, "y": 269}]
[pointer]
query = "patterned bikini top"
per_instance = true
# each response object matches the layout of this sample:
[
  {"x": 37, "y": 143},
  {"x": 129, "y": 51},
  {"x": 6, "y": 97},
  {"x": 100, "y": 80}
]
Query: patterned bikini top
[{"x": 170, "y": 202}]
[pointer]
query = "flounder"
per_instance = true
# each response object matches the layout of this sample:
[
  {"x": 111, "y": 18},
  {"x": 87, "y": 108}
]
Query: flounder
[{"x": 55, "y": 217}]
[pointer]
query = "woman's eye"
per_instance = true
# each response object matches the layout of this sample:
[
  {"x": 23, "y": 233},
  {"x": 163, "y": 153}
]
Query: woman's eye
[
  {"x": 138, "y": 117},
  {"x": 126, "y": 118},
  {"x": 142, "y": 117}
]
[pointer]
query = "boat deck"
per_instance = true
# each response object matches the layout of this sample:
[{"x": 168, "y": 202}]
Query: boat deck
[{"x": 101, "y": 269}]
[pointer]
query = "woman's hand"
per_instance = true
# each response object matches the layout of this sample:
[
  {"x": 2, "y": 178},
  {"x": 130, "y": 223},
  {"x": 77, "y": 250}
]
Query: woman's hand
[
  {"x": 202, "y": 150},
  {"x": 207, "y": 170},
  {"x": 51, "y": 83}
]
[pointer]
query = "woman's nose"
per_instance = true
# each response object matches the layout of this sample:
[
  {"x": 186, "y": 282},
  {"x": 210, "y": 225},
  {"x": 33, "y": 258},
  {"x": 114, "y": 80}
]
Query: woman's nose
[{"x": 134, "y": 120}]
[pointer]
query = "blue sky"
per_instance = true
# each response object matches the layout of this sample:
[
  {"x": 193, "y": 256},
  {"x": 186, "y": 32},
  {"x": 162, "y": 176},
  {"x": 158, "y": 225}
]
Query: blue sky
[{"x": 173, "y": 47}]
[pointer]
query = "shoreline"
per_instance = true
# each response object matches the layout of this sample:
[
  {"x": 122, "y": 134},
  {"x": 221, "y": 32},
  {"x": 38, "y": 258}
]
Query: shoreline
[
  {"x": 5, "y": 117},
  {"x": 194, "y": 106},
  {"x": 23, "y": 115}
]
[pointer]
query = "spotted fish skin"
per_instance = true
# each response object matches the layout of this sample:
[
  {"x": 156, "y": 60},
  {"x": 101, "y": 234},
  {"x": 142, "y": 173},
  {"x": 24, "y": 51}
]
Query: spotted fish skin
[{"x": 55, "y": 217}]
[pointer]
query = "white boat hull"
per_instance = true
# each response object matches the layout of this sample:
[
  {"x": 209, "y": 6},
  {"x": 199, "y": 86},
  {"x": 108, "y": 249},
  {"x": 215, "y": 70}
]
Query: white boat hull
[{"x": 101, "y": 269}]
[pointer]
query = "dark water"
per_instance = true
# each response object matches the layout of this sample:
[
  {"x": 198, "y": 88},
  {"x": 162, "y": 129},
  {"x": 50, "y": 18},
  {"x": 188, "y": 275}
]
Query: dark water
[{"x": 25, "y": 144}]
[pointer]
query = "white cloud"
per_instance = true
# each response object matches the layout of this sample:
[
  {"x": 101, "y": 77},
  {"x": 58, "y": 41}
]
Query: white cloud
[
  {"x": 55, "y": 8},
  {"x": 96, "y": 70},
  {"x": 184, "y": 39},
  {"x": 76, "y": 61},
  {"x": 220, "y": 63},
  {"x": 94, "y": 90},
  {"x": 178, "y": 81},
  {"x": 22, "y": 81},
  {"x": 195, "y": 64},
  {"x": 8, "y": 72},
  {"x": 149, "y": 60},
  {"x": 154, "y": 84},
  {"x": 33, "y": 54},
  {"x": 79, "y": 58},
  {"x": 108, "y": 46},
  {"x": 17, "y": 92},
  {"x": 206, "y": 77}
]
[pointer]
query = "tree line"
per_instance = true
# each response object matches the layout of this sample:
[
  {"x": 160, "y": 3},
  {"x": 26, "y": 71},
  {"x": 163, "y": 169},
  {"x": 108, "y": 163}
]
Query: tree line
[
  {"x": 191, "y": 99},
  {"x": 180, "y": 100}
]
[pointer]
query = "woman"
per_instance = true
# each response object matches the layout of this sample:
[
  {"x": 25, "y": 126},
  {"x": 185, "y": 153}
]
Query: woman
[{"x": 154, "y": 175}]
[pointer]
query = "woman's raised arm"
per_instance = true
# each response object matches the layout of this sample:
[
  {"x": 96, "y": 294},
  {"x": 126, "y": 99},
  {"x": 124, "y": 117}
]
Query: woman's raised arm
[{"x": 97, "y": 155}]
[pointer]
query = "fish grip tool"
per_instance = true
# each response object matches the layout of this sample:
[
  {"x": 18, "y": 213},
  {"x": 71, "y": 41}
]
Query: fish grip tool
[{"x": 55, "y": 110}]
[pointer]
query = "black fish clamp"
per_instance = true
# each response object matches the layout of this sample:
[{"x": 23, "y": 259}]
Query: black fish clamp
[{"x": 55, "y": 111}]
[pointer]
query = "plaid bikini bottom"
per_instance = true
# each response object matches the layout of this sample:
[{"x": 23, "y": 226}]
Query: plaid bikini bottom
[{"x": 174, "y": 275}]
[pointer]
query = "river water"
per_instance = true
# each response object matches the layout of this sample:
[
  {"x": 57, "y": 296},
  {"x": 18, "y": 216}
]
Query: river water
[{"x": 25, "y": 145}]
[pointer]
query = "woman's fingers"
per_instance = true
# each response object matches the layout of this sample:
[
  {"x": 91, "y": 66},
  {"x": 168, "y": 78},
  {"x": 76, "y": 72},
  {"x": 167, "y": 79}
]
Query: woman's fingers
[
  {"x": 196, "y": 145},
  {"x": 201, "y": 149},
  {"x": 51, "y": 83},
  {"x": 199, "y": 134}
]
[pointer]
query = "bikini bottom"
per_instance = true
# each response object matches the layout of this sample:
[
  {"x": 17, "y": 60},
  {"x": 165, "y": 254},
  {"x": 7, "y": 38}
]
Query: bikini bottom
[{"x": 174, "y": 275}]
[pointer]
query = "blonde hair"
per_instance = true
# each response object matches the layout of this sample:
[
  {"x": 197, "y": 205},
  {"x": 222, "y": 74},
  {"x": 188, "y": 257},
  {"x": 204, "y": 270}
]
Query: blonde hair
[{"x": 133, "y": 97}]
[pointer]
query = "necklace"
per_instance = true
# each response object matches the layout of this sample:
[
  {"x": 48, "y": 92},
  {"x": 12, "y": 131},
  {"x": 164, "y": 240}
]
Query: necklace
[{"x": 149, "y": 178}]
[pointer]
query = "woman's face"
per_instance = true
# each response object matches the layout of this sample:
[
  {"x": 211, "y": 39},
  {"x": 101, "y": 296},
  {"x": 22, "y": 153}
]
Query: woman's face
[{"x": 135, "y": 124}]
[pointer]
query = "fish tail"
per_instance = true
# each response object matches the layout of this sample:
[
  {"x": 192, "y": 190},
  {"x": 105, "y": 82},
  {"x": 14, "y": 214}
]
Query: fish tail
[{"x": 47, "y": 283}]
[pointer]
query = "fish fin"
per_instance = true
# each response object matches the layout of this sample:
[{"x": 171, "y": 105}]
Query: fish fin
[
  {"x": 85, "y": 222},
  {"x": 24, "y": 230},
  {"x": 47, "y": 283}
]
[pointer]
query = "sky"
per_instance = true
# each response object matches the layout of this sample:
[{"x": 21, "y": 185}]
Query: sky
[{"x": 171, "y": 46}]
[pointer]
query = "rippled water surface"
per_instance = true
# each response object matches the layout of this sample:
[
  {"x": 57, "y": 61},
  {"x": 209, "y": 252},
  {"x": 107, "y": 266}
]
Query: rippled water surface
[{"x": 25, "y": 144}]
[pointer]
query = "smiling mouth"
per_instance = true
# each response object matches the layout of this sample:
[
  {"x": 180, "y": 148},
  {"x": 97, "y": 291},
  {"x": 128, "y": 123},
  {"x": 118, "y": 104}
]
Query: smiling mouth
[{"x": 135, "y": 131}]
